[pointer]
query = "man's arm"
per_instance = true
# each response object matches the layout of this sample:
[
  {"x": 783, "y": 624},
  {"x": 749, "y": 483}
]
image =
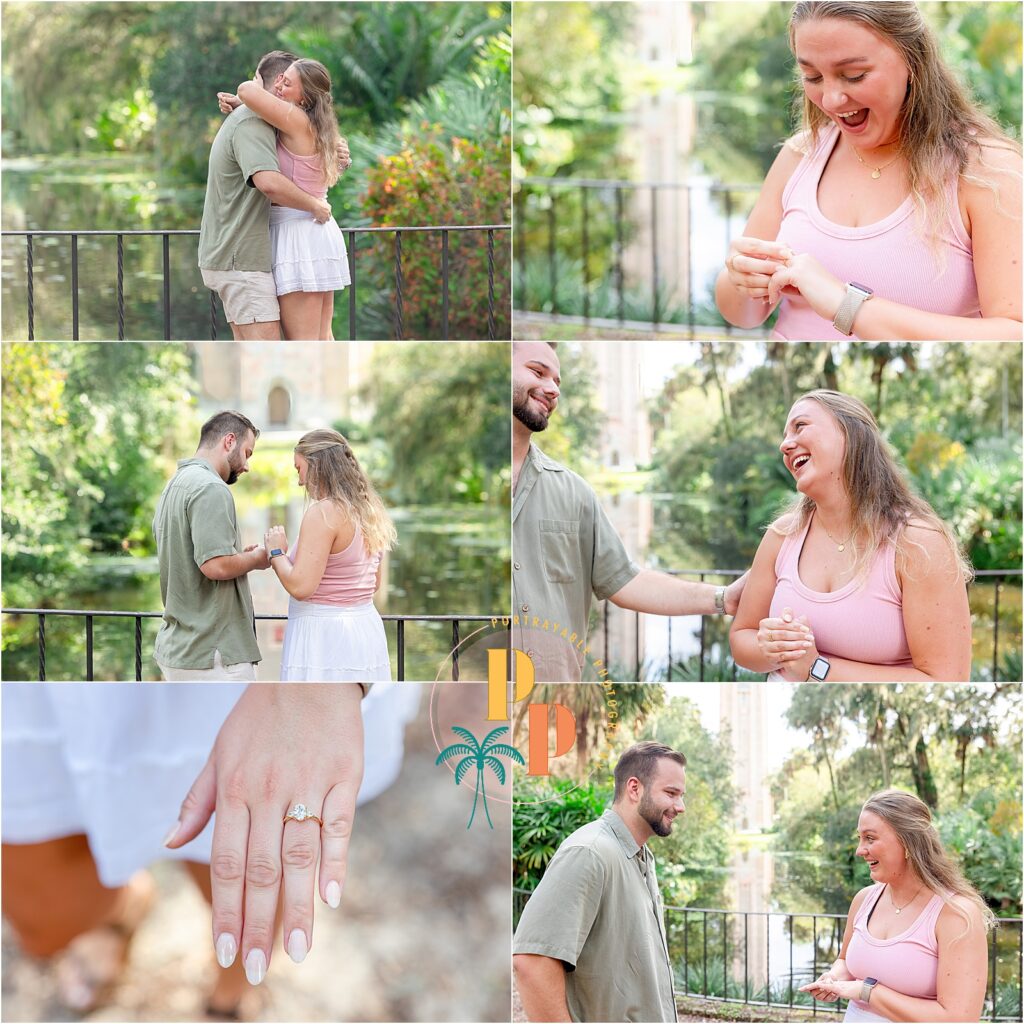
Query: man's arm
[
  {"x": 230, "y": 567},
  {"x": 660, "y": 594},
  {"x": 541, "y": 984},
  {"x": 278, "y": 189}
]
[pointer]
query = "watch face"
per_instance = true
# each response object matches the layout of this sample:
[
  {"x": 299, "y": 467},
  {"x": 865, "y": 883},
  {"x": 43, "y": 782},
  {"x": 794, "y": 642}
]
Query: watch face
[
  {"x": 862, "y": 287},
  {"x": 870, "y": 981},
  {"x": 820, "y": 668}
]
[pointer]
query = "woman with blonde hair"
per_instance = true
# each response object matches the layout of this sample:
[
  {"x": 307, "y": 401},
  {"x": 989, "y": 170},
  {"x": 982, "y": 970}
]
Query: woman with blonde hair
[
  {"x": 896, "y": 211},
  {"x": 859, "y": 580},
  {"x": 333, "y": 570},
  {"x": 310, "y": 261},
  {"x": 915, "y": 945}
]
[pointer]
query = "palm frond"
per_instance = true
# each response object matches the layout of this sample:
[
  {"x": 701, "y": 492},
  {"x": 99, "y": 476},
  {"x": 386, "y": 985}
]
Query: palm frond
[
  {"x": 505, "y": 750},
  {"x": 451, "y": 751},
  {"x": 496, "y": 766},
  {"x": 462, "y": 767}
]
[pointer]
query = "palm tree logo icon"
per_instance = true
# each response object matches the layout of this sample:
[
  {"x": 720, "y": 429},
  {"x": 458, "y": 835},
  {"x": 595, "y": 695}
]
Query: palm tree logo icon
[{"x": 480, "y": 756}]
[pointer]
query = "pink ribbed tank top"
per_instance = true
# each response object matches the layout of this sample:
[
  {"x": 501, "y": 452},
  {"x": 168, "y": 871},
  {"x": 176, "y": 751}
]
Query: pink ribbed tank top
[
  {"x": 350, "y": 575},
  {"x": 858, "y": 622},
  {"x": 890, "y": 256},
  {"x": 907, "y": 963},
  {"x": 306, "y": 171}
]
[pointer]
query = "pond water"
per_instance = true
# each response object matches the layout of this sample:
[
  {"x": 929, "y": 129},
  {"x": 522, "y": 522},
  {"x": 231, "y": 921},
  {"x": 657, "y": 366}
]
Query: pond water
[{"x": 447, "y": 561}]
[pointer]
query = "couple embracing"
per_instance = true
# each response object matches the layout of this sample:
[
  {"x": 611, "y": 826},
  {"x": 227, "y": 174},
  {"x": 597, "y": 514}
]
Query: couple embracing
[
  {"x": 268, "y": 245},
  {"x": 331, "y": 572}
]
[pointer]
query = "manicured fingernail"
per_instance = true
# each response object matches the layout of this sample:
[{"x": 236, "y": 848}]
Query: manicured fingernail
[
  {"x": 255, "y": 966},
  {"x": 333, "y": 895},
  {"x": 226, "y": 950},
  {"x": 297, "y": 948},
  {"x": 174, "y": 831}
]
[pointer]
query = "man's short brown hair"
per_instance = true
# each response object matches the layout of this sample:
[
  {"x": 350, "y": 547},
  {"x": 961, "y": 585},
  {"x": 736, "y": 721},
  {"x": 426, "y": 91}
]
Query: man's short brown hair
[
  {"x": 641, "y": 761},
  {"x": 227, "y": 422},
  {"x": 274, "y": 63}
]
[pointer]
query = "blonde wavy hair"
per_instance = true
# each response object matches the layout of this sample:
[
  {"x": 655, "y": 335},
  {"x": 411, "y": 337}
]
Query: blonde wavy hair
[
  {"x": 333, "y": 474},
  {"x": 940, "y": 129},
  {"x": 911, "y": 820},
  {"x": 318, "y": 104},
  {"x": 881, "y": 501}
]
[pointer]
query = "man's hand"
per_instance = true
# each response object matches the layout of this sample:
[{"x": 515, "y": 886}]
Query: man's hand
[
  {"x": 261, "y": 558},
  {"x": 734, "y": 592},
  {"x": 227, "y": 101},
  {"x": 281, "y": 745},
  {"x": 344, "y": 157}
]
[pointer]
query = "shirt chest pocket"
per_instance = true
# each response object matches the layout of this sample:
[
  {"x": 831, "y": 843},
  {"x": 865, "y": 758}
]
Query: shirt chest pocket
[{"x": 560, "y": 550}]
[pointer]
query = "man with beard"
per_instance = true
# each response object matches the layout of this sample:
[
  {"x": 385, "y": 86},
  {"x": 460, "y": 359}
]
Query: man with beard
[
  {"x": 591, "y": 944},
  {"x": 565, "y": 550},
  {"x": 207, "y": 630}
]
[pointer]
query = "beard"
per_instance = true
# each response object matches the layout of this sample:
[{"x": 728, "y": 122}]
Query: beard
[
  {"x": 654, "y": 817},
  {"x": 234, "y": 469},
  {"x": 533, "y": 421}
]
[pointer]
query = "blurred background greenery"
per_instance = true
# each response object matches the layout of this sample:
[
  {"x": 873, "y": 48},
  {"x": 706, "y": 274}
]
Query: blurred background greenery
[
  {"x": 692, "y": 93},
  {"x": 109, "y": 110},
  {"x": 702, "y": 466},
  {"x": 91, "y": 434},
  {"x": 958, "y": 748}
]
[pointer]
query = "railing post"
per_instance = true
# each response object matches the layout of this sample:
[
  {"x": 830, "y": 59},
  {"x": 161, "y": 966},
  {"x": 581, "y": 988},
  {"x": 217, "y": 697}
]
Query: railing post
[
  {"x": 654, "y": 256},
  {"x": 455, "y": 650},
  {"x": 520, "y": 224},
  {"x": 552, "y": 268},
  {"x": 399, "y": 326},
  {"x": 167, "y": 286},
  {"x": 620, "y": 277},
  {"x": 992, "y": 946},
  {"x": 690, "y": 313},
  {"x": 352, "y": 286},
  {"x": 29, "y": 268},
  {"x": 490, "y": 284},
  {"x": 995, "y": 632},
  {"x": 704, "y": 920},
  {"x": 586, "y": 251},
  {"x": 686, "y": 954},
  {"x": 88, "y": 649},
  {"x": 444, "y": 285},
  {"x": 746, "y": 958},
  {"x": 728, "y": 240},
  {"x": 74, "y": 287},
  {"x": 703, "y": 642},
  {"x": 138, "y": 644},
  {"x": 42, "y": 648},
  {"x": 120, "y": 287},
  {"x": 401, "y": 650}
]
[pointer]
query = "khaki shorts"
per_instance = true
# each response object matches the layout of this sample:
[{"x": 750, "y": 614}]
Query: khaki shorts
[
  {"x": 243, "y": 672},
  {"x": 249, "y": 296}
]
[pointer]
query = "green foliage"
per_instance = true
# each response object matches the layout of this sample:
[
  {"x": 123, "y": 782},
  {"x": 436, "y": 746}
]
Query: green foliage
[{"x": 443, "y": 412}]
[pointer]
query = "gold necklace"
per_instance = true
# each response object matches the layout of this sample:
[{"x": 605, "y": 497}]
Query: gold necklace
[
  {"x": 899, "y": 910},
  {"x": 877, "y": 172},
  {"x": 841, "y": 546}
]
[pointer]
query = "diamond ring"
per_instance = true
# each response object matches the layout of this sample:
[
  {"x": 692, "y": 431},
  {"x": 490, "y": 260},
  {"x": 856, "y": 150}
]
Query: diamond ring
[{"x": 299, "y": 813}]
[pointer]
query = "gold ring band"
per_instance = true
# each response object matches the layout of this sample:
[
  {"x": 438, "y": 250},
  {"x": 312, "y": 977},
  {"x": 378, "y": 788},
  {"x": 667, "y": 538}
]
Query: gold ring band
[{"x": 299, "y": 813}]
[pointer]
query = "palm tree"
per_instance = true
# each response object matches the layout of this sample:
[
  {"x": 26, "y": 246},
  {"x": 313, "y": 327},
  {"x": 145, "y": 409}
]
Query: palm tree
[{"x": 481, "y": 756}]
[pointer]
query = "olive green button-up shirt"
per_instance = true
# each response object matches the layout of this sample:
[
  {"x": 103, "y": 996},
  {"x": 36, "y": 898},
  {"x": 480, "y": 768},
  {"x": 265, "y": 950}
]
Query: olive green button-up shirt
[
  {"x": 195, "y": 521},
  {"x": 565, "y": 552},
  {"x": 598, "y": 910}
]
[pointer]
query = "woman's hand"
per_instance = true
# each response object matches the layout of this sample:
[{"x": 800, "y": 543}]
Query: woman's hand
[
  {"x": 822, "y": 989},
  {"x": 258, "y": 78},
  {"x": 344, "y": 157},
  {"x": 282, "y": 744},
  {"x": 785, "y": 640},
  {"x": 803, "y": 274},
  {"x": 752, "y": 262},
  {"x": 275, "y": 537},
  {"x": 227, "y": 101}
]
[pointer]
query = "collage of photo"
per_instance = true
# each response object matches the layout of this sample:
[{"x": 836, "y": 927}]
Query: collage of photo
[{"x": 512, "y": 510}]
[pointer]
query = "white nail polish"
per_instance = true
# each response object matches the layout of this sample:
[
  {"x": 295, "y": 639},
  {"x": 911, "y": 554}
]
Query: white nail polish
[
  {"x": 297, "y": 947},
  {"x": 226, "y": 950},
  {"x": 255, "y": 966},
  {"x": 333, "y": 895},
  {"x": 173, "y": 832}
]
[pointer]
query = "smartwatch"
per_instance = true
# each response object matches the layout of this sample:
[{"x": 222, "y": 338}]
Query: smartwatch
[
  {"x": 855, "y": 297},
  {"x": 819, "y": 670},
  {"x": 275, "y": 552},
  {"x": 866, "y": 988}
]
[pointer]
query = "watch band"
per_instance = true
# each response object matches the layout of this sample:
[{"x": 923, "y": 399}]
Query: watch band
[
  {"x": 720, "y": 600},
  {"x": 855, "y": 297},
  {"x": 866, "y": 988}
]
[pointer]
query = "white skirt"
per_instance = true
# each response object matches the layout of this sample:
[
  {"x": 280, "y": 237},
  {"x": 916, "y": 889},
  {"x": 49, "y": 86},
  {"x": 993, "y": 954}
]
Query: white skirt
[
  {"x": 858, "y": 1013},
  {"x": 307, "y": 257},
  {"x": 326, "y": 643},
  {"x": 113, "y": 761}
]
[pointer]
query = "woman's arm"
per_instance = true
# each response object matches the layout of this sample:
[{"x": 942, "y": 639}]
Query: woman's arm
[
  {"x": 744, "y": 280},
  {"x": 317, "y": 534},
  {"x": 755, "y": 604},
  {"x": 821, "y": 989},
  {"x": 287, "y": 117},
  {"x": 960, "y": 983},
  {"x": 936, "y": 617}
]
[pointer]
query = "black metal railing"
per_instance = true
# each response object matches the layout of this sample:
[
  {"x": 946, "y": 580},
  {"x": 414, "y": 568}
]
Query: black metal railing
[
  {"x": 609, "y": 195},
  {"x": 353, "y": 234},
  {"x": 90, "y": 616},
  {"x": 714, "y": 953},
  {"x": 608, "y": 612}
]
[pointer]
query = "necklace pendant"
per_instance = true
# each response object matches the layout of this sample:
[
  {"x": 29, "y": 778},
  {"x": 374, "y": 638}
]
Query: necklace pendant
[
  {"x": 876, "y": 173},
  {"x": 842, "y": 547},
  {"x": 898, "y": 910}
]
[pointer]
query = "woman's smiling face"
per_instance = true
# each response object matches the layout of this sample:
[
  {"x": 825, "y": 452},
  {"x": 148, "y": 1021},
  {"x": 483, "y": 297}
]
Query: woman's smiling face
[
  {"x": 855, "y": 76},
  {"x": 813, "y": 447}
]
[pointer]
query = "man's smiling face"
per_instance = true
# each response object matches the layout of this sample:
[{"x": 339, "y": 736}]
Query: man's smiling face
[{"x": 535, "y": 383}]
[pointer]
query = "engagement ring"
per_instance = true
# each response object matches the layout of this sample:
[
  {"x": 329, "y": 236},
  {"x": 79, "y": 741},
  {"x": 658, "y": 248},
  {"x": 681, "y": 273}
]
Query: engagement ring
[{"x": 299, "y": 813}]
